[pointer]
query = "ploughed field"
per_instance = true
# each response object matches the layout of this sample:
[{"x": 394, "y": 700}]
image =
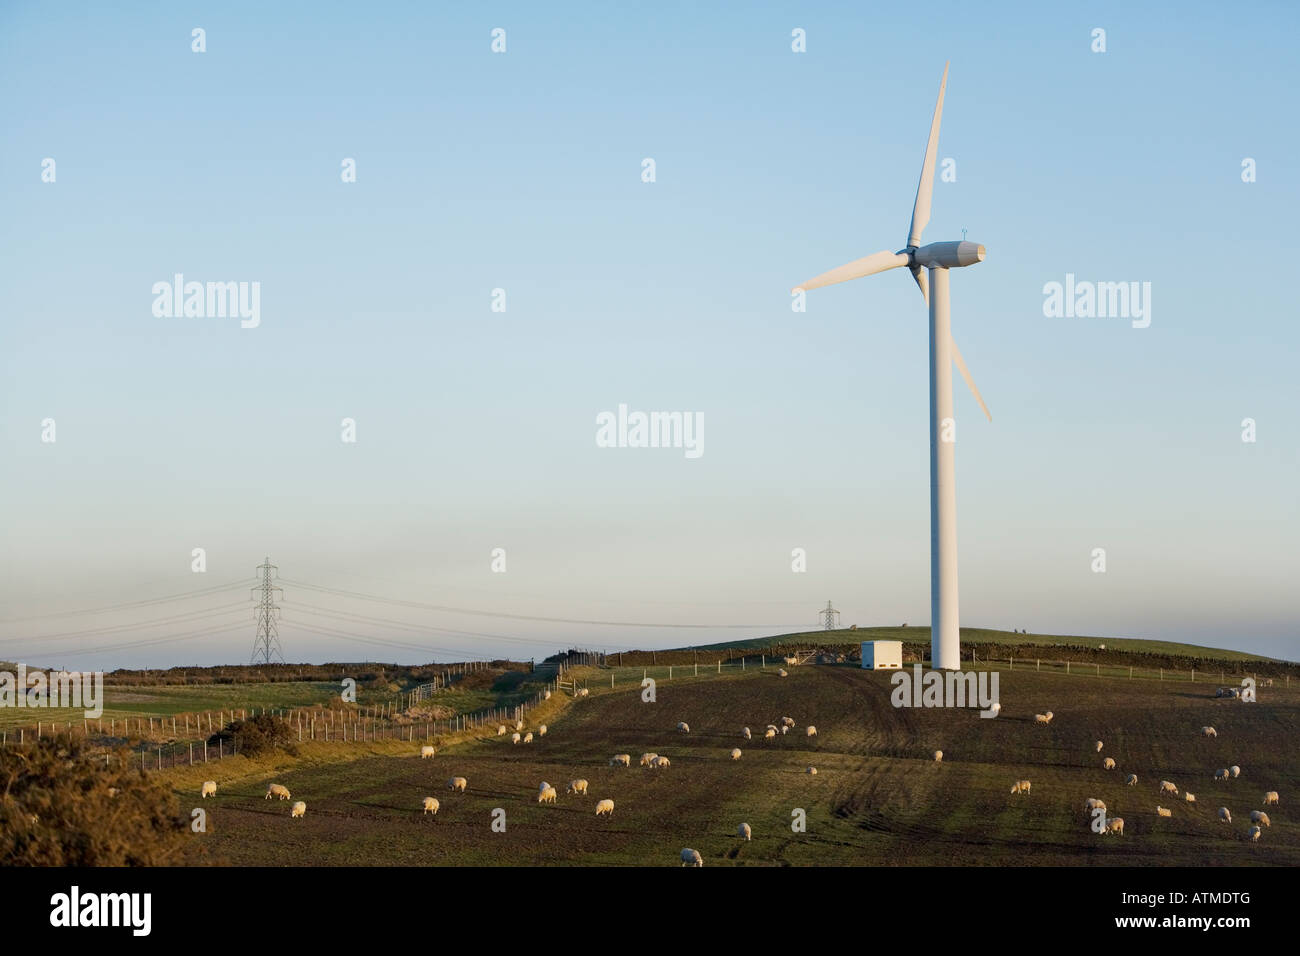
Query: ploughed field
[{"x": 878, "y": 797}]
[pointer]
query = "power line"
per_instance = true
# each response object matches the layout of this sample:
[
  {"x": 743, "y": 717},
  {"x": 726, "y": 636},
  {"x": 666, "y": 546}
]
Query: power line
[
  {"x": 131, "y": 604},
  {"x": 171, "y": 619},
  {"x": 267, "y": 641}
]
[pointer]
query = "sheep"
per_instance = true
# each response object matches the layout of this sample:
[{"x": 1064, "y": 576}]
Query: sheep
[
  {"x": 781, "y": 673},
  {"x": 277, "y": 790},
  {"x": 299, "y": 810},
  {"x": 546, "y": 695},
  {"x": 1092, "y": 803},
  {"x": 1131, "y": 780},
  {"x": 1042, "y": 719},
  {"x": 583, "y": 692},
  {"x": 745, "y": 734},
  {"x": 744, "y": 831},
  {"x": 735, "y": 753},
  {"x": 624, "y": 760},
  {"x": 501, "y": 730},
  {"x": 1225, "y": 816},
  {"x": 784, "y": 731},
  {"x": 1167, "y": 787},
  {"x": 1098, "y": 746},
  {"x": 1222, "y": 774},
  {"x": 1021, "y": 786},
  {"x": 787, "y": 721},
  {"x": 683, "y": 727},
  {"x": 790, "y": 660},
  {"x": 812, "y": 771},
  {"x": 811, "y": 731},
  {"x": 541, "y": 731},
  {"x": 1270, "y": 799},
  {"x": 660, "y": 762},
  {"x": 209, "y": 789},
  {"x": 577, "y": 786},
  {"x": 648, "y": 759},
  {"x": 528, "y": 737},
  {"x": 546, "y": 796},
  {"x": 431, "y": 805},
  {"x": 515, "y": 738},
  {"x": 519, "y": 725},
  {"x": 1235, "y": 771},
  {"x": 457, "y": 784},
  {"x": 1254, "y": 834},
  {"x": 1162, "y": 812},
  {"x": 427, "y": 751},
  {"x": 543, "y": 786},
  {"x": 1259, "y": 816},
  {"x": 1209, "y": 732},
  {"x": 769, "y": 734},
  {"x": 1189, "y": 797},
  {"x": 113, "y": 791},
  {"x": 938, "y": 756},
  {"x": 692, "y": 858},
  {"x": 1108, "y": 763},
  {"x": 1115, "y": 825},
  {"x": 996, "y": 707},
  {"x": 605, "y": 807}
]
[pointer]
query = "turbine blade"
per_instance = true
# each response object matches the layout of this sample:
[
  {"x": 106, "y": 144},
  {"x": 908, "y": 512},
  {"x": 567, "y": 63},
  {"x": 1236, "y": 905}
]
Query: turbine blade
[
  {"x": 866, "y": 266},
  {"x": 922, "y": 283},
  {"x": 921, "y": 211},
  {"x": 970, "y": 382}
]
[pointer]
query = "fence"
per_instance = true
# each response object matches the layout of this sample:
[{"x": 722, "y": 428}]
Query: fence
[{"x": 1096, "y": 669}]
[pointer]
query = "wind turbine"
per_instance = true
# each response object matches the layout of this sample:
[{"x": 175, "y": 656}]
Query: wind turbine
[{"x": 936, "y": 259}]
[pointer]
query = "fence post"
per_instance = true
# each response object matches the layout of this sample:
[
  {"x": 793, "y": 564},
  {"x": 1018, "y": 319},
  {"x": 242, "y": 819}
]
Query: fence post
[
  {"x": 205, "y": 751},
  {"x": 1130, "y": 672},
  {"x": 1162, "y": 673},
  {"x": 1099, "y": 670},
  {"x": 719, "y": 665},
  {"x": 1193, "y": 675},
  {"x": 670, "y": 671},
  {"x": 1067, "y": 667},
  {"x": 191, "y": 753}
]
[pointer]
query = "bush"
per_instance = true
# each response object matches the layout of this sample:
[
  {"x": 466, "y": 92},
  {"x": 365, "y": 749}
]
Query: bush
[
  {"x": 257, "y": 735},
  {"x": 57, "y": 810}
]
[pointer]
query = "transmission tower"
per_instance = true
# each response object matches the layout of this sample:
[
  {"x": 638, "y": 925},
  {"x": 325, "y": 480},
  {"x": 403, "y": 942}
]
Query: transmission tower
[
  {"x": 828, "y": 617},
  {"x": 266, "y": 645}
]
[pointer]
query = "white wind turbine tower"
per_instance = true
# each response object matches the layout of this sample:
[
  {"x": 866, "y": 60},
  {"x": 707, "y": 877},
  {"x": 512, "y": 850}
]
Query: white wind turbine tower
[{"x": 937, "y": 258}]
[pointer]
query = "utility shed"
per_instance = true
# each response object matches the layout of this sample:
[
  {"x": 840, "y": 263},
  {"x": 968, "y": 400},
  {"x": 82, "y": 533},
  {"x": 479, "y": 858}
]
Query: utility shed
[{"x": 882, "y": 655}]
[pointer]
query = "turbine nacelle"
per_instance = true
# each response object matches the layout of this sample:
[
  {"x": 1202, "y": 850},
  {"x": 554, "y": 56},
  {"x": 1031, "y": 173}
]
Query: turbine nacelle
[{"x": 945, "y": 255}]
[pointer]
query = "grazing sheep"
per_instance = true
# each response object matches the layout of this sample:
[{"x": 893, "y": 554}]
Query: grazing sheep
[
  {"x": 1131, "y": 780},
  {"x": 1259, "y": 816},
  {"x": 1162, "y": 812},
  {"x": 515, "y": 738},
  {"x": 1235, "y": 771},
  {"x": 620, "y": 759},
  {"x": 1270, "y": 799},
  {"x": 1042, "y": 719},
  {"x": 431, "y": 805},
  {"x": 501, "y": 730},
  {"x": 744, "y": 831},
  {"x": 427, "y": 751},
  {"x": 648, "y": 759},
  {"x": 1108, "y": 763},
  {"x": 769, "y": 733},
  {"x": 735, "y": 753},
  {"x": 519, "y": 725},
  {"x": 1224, "y": 815},
  {"x": 528, "y": 737},
  {"x": 1092, "y": 803},
  {"x": 1209, "y": 732},
  {"x": 784, "y": 731},
  {"x": 811, "y": 731},
  {"x": 1021, "y": 786},
  {"x": 744, "y": 732},
  {"x": 577, "y": 786},
  {"x": 1254, "y": 834},
  {"x": 209, "y": 789},
  {"x": 1222, "y": 774},
  {"x": 583, "y": 692},
  {"x": 541, "y": 731},
  {"x": 299, "y": 810},
  {"x": 692, "y": 858},
  {"x": 1167, "y": 787},
  {"x": 1098, "y": 746},
  {"x": 458, "y": 784},
  {"x": 660, "y": 762},
  {"x": 542, "y": 786},
  {"x": 787, "y": 721},
  {"x": 1189, "y": 797},
  {"x": 546, "y": 696},
  {"x": 546, "y": 796},
  {"x": 113, "y": 791},
  {"x": 605, "y": 807},
  {"x": 277, "y": 790},
  {"x": 1115, "y": 825},
  {"x": 683, "y": 727},
  {"x": 812, "y": 771},
  {"x": 790, "y": 660},
  {"x": 938, "y": 756},
  {"x": 782, "y": 673},
  {"x": 996, "y": 707}
]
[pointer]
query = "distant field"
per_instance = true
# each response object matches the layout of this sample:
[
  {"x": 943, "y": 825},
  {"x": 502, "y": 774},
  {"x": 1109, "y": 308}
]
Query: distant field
[{"x": 878, "y": 799}]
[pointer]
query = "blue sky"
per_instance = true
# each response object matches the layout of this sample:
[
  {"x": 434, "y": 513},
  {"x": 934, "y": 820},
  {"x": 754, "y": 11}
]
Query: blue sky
[{"x": 522, "y": 171}]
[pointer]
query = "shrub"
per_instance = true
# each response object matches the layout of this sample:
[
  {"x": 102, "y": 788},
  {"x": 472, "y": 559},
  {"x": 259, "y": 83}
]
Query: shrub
[{"x": 257, "y": 735}]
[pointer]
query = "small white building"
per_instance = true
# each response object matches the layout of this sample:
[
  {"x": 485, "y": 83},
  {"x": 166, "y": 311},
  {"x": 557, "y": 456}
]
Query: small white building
[{"x": 882, "y": 655}]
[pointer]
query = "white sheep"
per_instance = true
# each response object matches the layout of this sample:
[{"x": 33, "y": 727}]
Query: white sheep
[
  {"x": 583, "y": 692},
  {"x": 648, "y": 759},
  {"x": 692, "y": 858},
  {"x": 1259, "y": 816},
  {"x": 209, "y": 789},
  {"x": 787, "y": 721},
  {"x": 781, "y": 673},
  {"x": 1021, "y": 786},
  {"x": 1108, "y": 763},
  {"x": 277, "y": 790},
  {"x": 542, "y": 786},
  {"x": 1254, "y": 834},
  {"x": 1131, "y": 780},
  {"x": 1163, "y": 812},
  {"x": 519, "y": 725},
  {"x": 811, "y": 731},
  {"x": 577, "y": 786},
  {"x": 1115, "y": 825},
  {"x": 1270, "y": 799},
  {"x": 1092, "y": 803},
  {"x": 1042, "y": 719},
  {"x": 501, "y": 730},
  {"x": 996, "y": 707},
  {"x": 546, "y": 796},
  {"x": 744, "y": 732},
  {"x": 1222, "y": 774},
  {"x": 427, "y": 751},
  {"x": 624, "y": 760},
  {"x": 744, "y": 831},
  {"x": 1167, "y": 787},
  {"x": 735, "y": 753},
  {"x": 431, "y": 805},
  {"x": 1189, "y": 797},
  {"x": 938, "y": 756},
  {"x": 515, "y": 738},
  {"x": 784, "y": 730},
  {"x": 528, "y": 737},
  {"x": 541, "y": 731},
  {"x": 812, "y": 771},
  {"x": 683, "y": 727},
  {"x": 1235, "y": 771},
  {"x": 605, "y": 807},
  {"x": 769, "y": 733},
  {"x": 299, "y": 809},
  {"x": 790, "y": 660},
  {"x": 546, "y": 695},
  {"x": 1098, "y": 745},
  {"x": 660, "y": 762},
  {"x": 458, "y": 784},
  {"x": 1224, "y": 815},
  {"x": 1209, "y": 732}
]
